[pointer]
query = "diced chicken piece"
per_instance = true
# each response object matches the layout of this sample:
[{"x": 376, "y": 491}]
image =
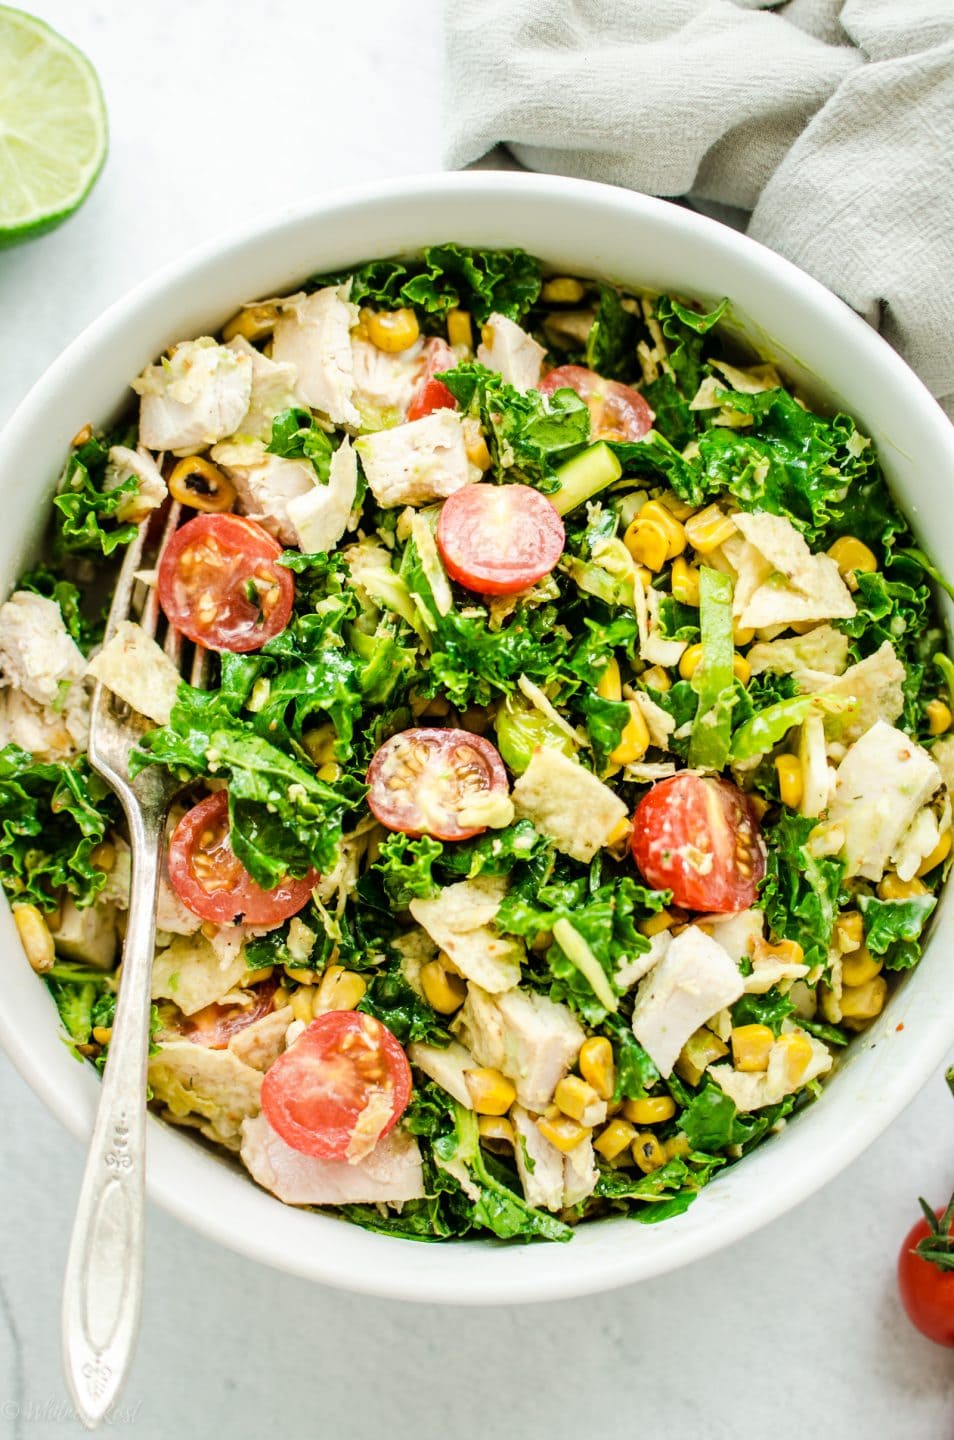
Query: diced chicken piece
[
  {"x": 822, "y": 651},
  {"x": 152, "y": 490},
  {"x": 139, "y": 671},
  {"x": 580, "y": 1172},
  {"x": 313, "y": 333},
  {"x": 511, "y": 352},
  {"x": 88, "y": 934},
  {"x": 693, "y": 981},
  {"x": 880, "y": 786},
  {"x": 211, "y": 1089},
  {"x": 383, "y": 383},
  {"x": 531, "y": 1038},
  {"x": 797, "y": 586},
  {"x": 320, "y": 515},
  {"x": 753, "y": 1091},
  {"x": 417, "y": 462},
  {"x": 266, "y": 484},
  {"x": 446, "y": 1067},
  {"x": 190, "y": 973},
  {"x": 633, "y": 970},
  {"x": 737, "y": 933},
  {"x": 196, "y": 397},
  {"x": 918, "y": 842},
  {"x": 261, "y": 1043},
  {"x": 37, "y": 653},
  {"x": 875, "y": 683},
  {"x": 273, "y": 390},
  {"x": 48, "y": 734},
  {"x": 458, "y": 921},
  {"x": 539, "y": 1164},
  {"x": 567, "y": 803},
  {"x": 391, "y": 1175}
]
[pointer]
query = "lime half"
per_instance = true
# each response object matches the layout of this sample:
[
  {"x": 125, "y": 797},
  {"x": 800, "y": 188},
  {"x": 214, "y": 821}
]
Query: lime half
[{"x": 52, "y": 127}]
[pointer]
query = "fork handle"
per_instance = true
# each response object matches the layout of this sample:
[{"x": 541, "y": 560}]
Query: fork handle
[{"x": 102, "y": 1292}]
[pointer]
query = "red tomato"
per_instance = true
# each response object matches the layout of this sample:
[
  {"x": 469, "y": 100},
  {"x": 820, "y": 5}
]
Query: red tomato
[
  {"x": 214, "y": 884},
  {"x": 420, "y": 781},
  {"x": 344, "y": 1067},
  {"x": 927, "y": 1292},
  {"x": 498, "y": 539},
  {"x": 219, "y": 583},
  {"x": 698, "y": 837},
  {"x": 432, "y": 394},
  {"x": 214, "y": 1025},
  {"x": 617, "y": 412}
]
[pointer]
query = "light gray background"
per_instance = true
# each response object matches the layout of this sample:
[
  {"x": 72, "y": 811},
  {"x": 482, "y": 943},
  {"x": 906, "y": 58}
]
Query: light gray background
[{"x": 221, "y": 110}]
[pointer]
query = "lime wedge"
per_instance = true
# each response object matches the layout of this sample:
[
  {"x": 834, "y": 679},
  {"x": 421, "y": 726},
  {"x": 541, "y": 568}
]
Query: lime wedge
[{"x": 52, "y": 127}]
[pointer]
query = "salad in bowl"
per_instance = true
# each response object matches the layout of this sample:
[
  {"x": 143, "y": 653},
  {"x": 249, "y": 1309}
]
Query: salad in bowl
[{"x": 572, "y": 784}]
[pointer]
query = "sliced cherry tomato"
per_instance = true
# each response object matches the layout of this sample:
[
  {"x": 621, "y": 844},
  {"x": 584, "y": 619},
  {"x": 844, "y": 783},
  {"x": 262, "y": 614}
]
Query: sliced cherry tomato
[
  {"x": 209, "y": 879},
  {"x": 214, "y": 1025},
  {"x": 432, "y": 394},
  {"x": 698, "y": 837},
  {"x": 422, "y": 780},
  {"x": 219, "y": 583},
  {"x": 498, "y": 539},
  {"x": 617, "y": 412},
  {"x": 340, "y": 1088},
  {"x": 927, "y": 1290}
]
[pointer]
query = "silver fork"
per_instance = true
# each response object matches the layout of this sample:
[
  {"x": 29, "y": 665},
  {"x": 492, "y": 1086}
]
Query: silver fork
[{"x": 102, "y": 1292}]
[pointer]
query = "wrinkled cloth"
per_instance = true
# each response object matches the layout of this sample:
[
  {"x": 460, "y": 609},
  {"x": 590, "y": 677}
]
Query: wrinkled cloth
[{"x": 825, "y": 128}]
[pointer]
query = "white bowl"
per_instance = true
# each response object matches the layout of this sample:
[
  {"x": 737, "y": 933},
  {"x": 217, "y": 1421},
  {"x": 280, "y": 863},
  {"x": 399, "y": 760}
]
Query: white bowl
[{"x": 576, "y": 227}]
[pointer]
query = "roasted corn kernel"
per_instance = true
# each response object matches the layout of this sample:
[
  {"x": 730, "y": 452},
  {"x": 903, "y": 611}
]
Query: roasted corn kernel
[
  {"x": 648, "y": 1152},
  {"x": 490, "y": 1091},
  {"x": 615, "y": 1137},
  {"x": 496, "y": 1132},
  {"x": 685, "y": 582},
  {"x": 656, "y": 678},
  {"x": 892, "y": 887},
  {"x": 849, "y": 931},
  {"x": 743, "y": 635},
  {"x": 339, "y": 989},
  {"x": 859, "y": 967},
  {"x": 392, "y": 330},
  {"x": 937, "y": 856},
  {"x": 597, "y": 1066},
  {"x": 302, "y": 1004},
  {"x": 796, "y": 1049},
  {"x": 939, "y": 717},
  {"x": 634, "y": 741},
  {"x": 655, "y": 924},
  {"x": 444, "y": 992},
  {"x": 459, "y": 329},
  {"x": 652, "y": 1110},
  {"x": 864, "y": 1002},
  {"x": 689, "y": 661},
  {"x": 562, "y": 290},
  {"x": 707, "y": 529},
  {"x": 578, "y": 1099},
  {"x": 673, "y": 529},
  {"x": 791, "y": 783},
  {"x": 202, "y": 485},
  {"x": 677, "y": 1146},
  {"x": 253, "y": 323},
  {"x": 35, "y": 937},
  {"x": 103, "y": 856},
  {"x": 475, "y": 447},
  {"x": 619, "y": 834},
  {"x": 562, "y": 1131},
  {"x": 698, "y": 1053},
  {"x": 610, "y": 687},
  {"x": 647, "y": 542},
  {"x": 751, "y": 1045},
  {"x": 851, "y": 555}
]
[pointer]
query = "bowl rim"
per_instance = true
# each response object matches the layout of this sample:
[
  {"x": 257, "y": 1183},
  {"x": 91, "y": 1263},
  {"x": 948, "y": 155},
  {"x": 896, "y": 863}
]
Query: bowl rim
[{"x": 521, "y": 1281}]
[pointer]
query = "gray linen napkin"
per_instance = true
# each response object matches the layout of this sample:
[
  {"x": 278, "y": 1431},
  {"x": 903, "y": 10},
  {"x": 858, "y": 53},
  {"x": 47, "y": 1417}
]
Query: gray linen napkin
[{"x": 825, "y": 127}]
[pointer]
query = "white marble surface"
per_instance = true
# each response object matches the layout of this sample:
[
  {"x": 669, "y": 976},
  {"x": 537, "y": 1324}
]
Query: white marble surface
[{"x": 219, "y": 108}]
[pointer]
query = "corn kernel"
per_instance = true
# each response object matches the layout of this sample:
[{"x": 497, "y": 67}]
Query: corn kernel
[
  {"x": 329, "y": 772},
  {"x": 786, "y": 952},
  {"x": 339, "y": 989},
  {"x": 647, "y": 1152},
  {"x": 259, "y": 976},
  {"x": 707, "y": 529},
  {"x": 937, "y": 856},
  {"x": 849, "y": 931},
  {"x": 302, "y": 1003},
  {"x": 490, "y": 1091},
  {"x": 939, "y": 717},
  {"x": 750, "y": 1047},
  {"x": 562, "y": 1132},
  {"x": 35, "y": 937},
  {"x": 743, "y": 635},
  {"x": 698, "y": 1053},
  {"x": 459, "y": 329},
  {"x": 597, "y": 1066},
  {"x": 741, "y": 668},
  {"x": 791, "y": 784},
  {"x": 609, "y": 687},
  {"x": 757, "y": 804},
  {"x": 562, "y": 290},
  {"x": 680, "y": 508},
  {"x": 615, "y": 1137},
  {"x": 496, "y": 1132},
  {"x": 300, "y": 975},
  {"x": 444, "y": 993},
  {"x": 859, "y": 967},
  {"x": 280, "y": 998},
  {"x": 103, "y": 856},
  {"x": 677, "y": 1146},
  {"x": 393, "y": 330},
  {"x": 655, "y": 924},
  {"x": 851, "y": 555},
  {"x": 689, "y": 661},
  {"x": 647, "y": 542},
  {"x": 797, "y": 1052},
  {"x": 685, "y": 582},
  {"x": 578, "y": 1099},
  {"x": 619, "y": 834},
  {"x": 656, "y": 678},
  {"x": 634, "y": 741},
  {"x": 652, "y": 1110},
  {"x": 102, "y": 1034},
  {"x": 202, "y": 485},
  {"x": 254, "y": 322},
  {"x": 320, "y": 743},
  {"x": 864, "y": 1002},
  {"x": 673, "y": 529},
  {"x": 477, "y": 452},
  {"x": 83, "y": 434},
  {"x": 892, "y": 887}
]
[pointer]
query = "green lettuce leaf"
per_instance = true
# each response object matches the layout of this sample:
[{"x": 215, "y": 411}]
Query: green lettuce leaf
[
  {"x": 800, "y": 891},
  {"x": 447, "y": 277},
  {"x": 297, "y": 435},
  {"x": 611, "y": 343},
  {"x": 888, "y": 921},
  {"x": 713, "y": 681},
  {"x": 86, "y": 522}
]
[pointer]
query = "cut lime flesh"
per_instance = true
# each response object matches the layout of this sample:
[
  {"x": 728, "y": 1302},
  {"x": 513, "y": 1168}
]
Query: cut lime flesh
[{"x": 53, "y": 131}]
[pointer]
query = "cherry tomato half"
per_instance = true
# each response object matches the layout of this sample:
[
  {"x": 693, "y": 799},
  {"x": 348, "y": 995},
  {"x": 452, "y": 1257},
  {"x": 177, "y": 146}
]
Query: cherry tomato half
[
  {"x": 617, "y": 412},
  {"x": 219, "y": 583},
  {"x": 927, "y": 1292},
  {"x": 346, "y": 1074},
  {"x": 213, "y": 884},
  {"x": 698, "y": 837},
  {"x": 421, "y": 780},
  {"x": 498, "y": 539},
  {"x": 433, "y": 394},
  {"x": 214, "y": 1025}
]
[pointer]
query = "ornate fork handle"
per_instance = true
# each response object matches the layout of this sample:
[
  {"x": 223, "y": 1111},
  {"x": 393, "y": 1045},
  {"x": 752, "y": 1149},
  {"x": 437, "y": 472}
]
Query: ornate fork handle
[{"x": 103, "y": 1285}]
